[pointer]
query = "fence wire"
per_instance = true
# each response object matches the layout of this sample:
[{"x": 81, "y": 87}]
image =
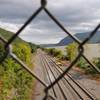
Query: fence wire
[{"x": 8, "y": 47}]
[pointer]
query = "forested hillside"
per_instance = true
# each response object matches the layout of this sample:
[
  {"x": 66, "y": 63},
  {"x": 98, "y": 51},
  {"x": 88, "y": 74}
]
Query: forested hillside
[{"x": 15, "y": 82}]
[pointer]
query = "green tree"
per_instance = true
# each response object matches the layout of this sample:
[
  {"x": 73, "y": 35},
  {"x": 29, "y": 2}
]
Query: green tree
[{"x": 71, "y": 51}]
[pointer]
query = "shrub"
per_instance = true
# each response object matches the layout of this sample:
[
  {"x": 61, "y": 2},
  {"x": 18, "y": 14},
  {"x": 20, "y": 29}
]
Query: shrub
[
  {"x": 54, "y": 52},
  {"x": 87, "y": 68},
  {"x": 82, "y": 63},
  {"x": 13, "y": 76},
  {"x": 33, "y": 47},
  {"x": 96, "y": 61},
  {"x": 71, "y": 51}
]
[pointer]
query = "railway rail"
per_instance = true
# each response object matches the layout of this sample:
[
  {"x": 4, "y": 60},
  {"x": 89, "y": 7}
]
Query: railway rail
[{"x": 67, "y": 88}]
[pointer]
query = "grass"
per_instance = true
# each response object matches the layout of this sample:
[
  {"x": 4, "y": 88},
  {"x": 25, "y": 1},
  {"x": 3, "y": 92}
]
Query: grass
[
  {"x": 12, "y": 75},
  {"x": 7, "y": 35}
]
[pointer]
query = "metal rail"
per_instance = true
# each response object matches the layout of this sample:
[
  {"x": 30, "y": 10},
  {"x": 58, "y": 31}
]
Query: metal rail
[
  {"x": 64, "y": 81},
  {"x": 44, "y": 65},
  {"x": 57, "y": 67},
  {"x": 49, "y": 68},
  {"x": 67, "y": 82},
  {"x": 84, "y": 89}
]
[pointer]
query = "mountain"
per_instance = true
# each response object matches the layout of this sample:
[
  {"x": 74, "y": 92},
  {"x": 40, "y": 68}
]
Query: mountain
[{"x": 81, "y": 36}]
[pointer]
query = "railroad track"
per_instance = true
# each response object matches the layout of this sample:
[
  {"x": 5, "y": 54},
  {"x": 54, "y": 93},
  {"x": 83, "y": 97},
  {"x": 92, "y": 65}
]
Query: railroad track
[{"x": 67, "y": 88}]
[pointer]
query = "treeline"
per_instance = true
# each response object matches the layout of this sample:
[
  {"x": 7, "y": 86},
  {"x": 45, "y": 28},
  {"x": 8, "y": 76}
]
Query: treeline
[
  {"x": 15, "y": 82},
  {"x": 56, "y": 53},
  {"x": 34, "y": 47},
  {"x": 71, "y": 53}
]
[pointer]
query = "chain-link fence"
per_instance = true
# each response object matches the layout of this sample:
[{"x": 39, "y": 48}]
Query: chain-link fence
[{"x": 8, "y": 47}]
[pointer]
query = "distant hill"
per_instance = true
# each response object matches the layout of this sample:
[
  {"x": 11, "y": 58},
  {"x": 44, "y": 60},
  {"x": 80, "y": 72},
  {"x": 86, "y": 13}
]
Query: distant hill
[
  {"x": 7, "y": 35},
  {"x": 81, "y": 36}
]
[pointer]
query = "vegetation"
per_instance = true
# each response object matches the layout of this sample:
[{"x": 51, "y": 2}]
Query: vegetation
[
  {"x": 54, "y": 52},
  {"x": 15, "y": 82},
  {"x": 72, "y": 51},
  {"x": 33, "y": 47},
  {"x": 7, "y": 35},
  {"x": 86, "y": 67},
  {"x": 96, "y": 61}
]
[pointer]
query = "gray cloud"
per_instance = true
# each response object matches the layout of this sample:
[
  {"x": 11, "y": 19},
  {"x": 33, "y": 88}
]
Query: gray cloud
[
  {"x": 77, "y": 16},
  {"x": 17, "y": 9}
]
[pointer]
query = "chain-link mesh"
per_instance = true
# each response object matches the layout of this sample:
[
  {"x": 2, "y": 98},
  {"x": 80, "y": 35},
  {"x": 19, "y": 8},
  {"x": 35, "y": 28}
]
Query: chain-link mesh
[{"x": 8, "y": 47}]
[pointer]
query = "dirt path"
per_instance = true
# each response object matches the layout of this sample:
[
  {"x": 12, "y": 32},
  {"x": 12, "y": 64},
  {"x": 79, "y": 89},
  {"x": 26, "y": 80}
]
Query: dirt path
[{"x": 38, "y": 92}]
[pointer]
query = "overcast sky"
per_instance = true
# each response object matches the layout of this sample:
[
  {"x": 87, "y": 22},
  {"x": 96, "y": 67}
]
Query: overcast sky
[{"x": 75, "y": 15}]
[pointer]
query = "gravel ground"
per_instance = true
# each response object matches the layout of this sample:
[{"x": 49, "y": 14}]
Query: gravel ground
[
  {"x": 38, "y": 92},
  {"x": 92, "y": 85}
]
